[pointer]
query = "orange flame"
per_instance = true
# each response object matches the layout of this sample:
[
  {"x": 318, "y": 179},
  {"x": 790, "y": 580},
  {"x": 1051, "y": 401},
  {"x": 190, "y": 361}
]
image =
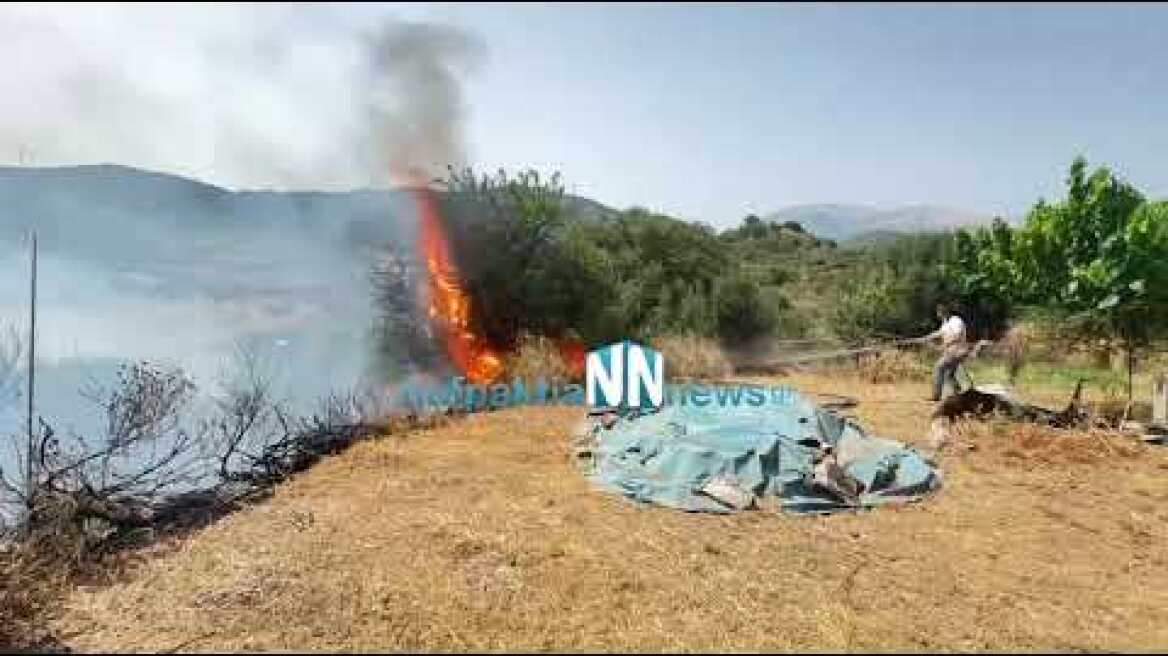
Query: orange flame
[
  {"x": 448, "y": 304},
  {"x": 574, "y": 353}
]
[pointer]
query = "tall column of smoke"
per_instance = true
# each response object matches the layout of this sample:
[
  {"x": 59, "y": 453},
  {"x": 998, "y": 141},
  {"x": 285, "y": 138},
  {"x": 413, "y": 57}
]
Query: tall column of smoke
[{"x": 416, "y": 104}]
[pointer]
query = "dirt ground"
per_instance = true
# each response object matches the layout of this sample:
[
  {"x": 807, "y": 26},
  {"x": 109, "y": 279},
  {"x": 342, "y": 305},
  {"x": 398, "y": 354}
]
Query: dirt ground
[{"x": 480, "y": 536}]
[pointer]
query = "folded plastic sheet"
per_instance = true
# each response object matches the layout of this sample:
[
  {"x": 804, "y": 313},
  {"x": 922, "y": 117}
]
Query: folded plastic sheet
[{"x": 676, "y": 455}]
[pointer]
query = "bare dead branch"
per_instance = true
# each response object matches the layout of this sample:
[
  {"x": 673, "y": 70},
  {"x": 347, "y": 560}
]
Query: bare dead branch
[{"x": 140, "y": 474}]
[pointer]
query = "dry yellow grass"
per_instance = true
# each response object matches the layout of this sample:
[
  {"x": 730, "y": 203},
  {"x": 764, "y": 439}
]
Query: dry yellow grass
[
  {"x": 29, "y": 588},
  {"x": 693, "y": 357},
  {"x": 536, "y": 357},
  {"x": 479, "y": 535},
  {"x": 892, "y": 366}
]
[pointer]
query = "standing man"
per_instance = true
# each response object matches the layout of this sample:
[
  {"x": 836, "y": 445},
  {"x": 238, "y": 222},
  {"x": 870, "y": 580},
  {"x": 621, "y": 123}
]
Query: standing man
[{"x": 954, "y": 350}]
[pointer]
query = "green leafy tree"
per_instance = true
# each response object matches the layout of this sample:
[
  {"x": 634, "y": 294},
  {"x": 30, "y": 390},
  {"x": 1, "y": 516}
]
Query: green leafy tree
[
  {"x": 1096, "y": 257},
  {"x": 1097, "y": 260},
  {"x": 982, "y": 276},
  {"x": 520, "y": 272}
]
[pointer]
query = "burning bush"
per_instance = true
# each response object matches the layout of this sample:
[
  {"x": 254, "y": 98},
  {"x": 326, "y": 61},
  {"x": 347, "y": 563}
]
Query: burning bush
[{"x": 501, "y": 257}]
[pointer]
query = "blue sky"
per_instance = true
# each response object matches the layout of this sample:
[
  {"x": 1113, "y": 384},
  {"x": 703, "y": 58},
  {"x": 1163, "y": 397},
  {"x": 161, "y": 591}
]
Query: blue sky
[
  {"x": 713, "y": 110},
  {"x": 704, "y": 111}
]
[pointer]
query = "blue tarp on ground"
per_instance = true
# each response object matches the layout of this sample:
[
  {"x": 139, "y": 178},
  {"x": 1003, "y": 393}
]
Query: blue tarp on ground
[{"x": 670, "y": 456}]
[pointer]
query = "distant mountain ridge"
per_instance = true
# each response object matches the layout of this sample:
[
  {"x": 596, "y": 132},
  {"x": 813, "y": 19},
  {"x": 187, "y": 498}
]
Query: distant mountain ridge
[
  {"x": 102, "y": 209},
  {"x": 842, "y": 222}
]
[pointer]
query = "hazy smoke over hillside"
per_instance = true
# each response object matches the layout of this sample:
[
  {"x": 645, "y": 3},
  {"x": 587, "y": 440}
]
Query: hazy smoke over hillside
[{"x": 243, "y": 96}]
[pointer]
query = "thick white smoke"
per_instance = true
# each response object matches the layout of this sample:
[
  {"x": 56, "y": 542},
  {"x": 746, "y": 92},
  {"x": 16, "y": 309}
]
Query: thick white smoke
[{"x": 244, "y": 96}]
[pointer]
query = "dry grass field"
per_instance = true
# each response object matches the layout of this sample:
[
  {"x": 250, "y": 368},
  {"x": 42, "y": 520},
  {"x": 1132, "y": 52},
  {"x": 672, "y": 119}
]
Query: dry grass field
[{"x": 479, "y": 535}]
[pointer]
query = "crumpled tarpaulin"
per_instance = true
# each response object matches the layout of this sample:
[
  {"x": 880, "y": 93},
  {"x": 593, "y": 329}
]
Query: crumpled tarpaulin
[{"x": 722, "y": 458}]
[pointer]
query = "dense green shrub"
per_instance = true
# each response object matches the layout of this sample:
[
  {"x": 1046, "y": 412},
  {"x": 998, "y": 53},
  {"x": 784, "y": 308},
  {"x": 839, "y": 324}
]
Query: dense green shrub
[{"x": 744, "y": 312}]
